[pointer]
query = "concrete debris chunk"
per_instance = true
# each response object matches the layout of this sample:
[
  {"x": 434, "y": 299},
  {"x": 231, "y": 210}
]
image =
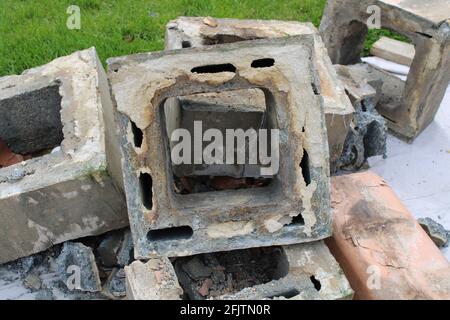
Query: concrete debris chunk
[
  {"x": 33, "y": 282},
  {"x": 368, "y": 133},
  {"x": 37, "y": 277},
  {"x": 59, "y": 117},
  {"x": 411, "y": 107},
  {"x": 436, "y": 231},
  {"x": 293, "y": 208},
  {"x": 185, "y": 32},
  {"x": 77, "y": 267},
  {"x": 393, "y": 50},
  {"x": 115, "y": 286},
  {"x": 153, "y": 280}
]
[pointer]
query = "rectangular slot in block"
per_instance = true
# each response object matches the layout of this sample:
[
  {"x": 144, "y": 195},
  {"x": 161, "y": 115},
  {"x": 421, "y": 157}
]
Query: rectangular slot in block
[
  {"x": 30, "y": 123},
  {"x": 212, "y": 275},
  {"x": 213, "y": 121}
]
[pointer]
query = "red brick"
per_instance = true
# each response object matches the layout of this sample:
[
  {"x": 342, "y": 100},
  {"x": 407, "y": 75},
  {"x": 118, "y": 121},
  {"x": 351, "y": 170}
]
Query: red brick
[{"x": 374, "y": 232}]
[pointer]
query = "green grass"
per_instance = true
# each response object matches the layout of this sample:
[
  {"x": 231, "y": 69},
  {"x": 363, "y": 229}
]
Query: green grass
[{"x": 34, "y": 32}]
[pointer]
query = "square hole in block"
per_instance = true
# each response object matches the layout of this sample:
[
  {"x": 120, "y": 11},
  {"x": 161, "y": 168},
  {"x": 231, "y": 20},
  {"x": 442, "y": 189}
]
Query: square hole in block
[
  {"x": 30, "y": 124},
  {"x": 201, "y": 117},
  {"x": 212, "y": 275}
]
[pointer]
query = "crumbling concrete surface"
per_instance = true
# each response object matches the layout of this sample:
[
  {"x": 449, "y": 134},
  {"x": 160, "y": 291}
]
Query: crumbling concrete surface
[
  {"x": 293, "y": 208},
  {"x": 37, "y": 277},
  {"x": 185, "y": 32},
  {"x": 77, "y": 267},
  {"x": 383, "y": 251},
  {"x": 60, "y": 116},
  {"x": 153, "y": 280},
  {"x": 408, "y": 109},
  {"x": 304, "y": 271},
  {"x": 71, "y": 270},
  {"x": 368, "y": 133}
]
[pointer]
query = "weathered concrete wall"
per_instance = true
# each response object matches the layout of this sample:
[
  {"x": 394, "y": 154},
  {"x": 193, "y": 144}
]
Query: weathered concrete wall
[
  {"x": 197, "y": 32},
  {"x": 177, "y": 225},
  {"x": 68, "y": 193},
  {"x": 408, "y": 110}
]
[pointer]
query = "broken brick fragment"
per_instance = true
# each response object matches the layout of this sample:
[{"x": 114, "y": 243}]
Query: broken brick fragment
[
  {"x": 7, "y": 157},
  {"x": 383, "y": 251}
]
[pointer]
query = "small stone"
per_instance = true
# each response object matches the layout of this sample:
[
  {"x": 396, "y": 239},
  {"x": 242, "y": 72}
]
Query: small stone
[
  {"x": 209, "y": 21},
  {"x": 77, "y": 267},
  {"x": 435, "y": 230},
  {"x": 33, "y": 282}
]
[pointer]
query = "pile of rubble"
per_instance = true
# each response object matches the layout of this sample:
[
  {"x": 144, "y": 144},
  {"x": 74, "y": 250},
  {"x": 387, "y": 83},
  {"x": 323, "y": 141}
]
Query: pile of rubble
[{"x": 84, "y": 154}]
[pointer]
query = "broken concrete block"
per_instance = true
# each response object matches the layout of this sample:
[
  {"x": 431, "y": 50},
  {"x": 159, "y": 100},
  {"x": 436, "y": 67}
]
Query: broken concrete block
[
  {"x": 59, "y": 115},
  {"x": 411, "y": 109},
  {"x": 384, "y": 252},
  {"x": 435, "y": 231},
  {"x": 185, "y": 32},
  {"x": 293, "y": 208},
  {"x": 37, "y": 277},
  {"x": 304, "y": 271},
  {"x": 153, "y": 280},
  {"x": 368, "y": 133},
  {"x": 77, "y": 267},
  {"x": 394, "y": 50}
]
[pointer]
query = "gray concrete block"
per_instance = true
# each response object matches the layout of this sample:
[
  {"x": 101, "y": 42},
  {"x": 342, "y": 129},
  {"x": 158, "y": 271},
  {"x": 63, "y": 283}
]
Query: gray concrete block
[
  {"x": 408, "y": 109},
  {"x": 305, "y": 271},
  {"x": 293, "y": 208},
  {"x": 73, "y": 191},
  {"x": 187, "y": 32}
]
